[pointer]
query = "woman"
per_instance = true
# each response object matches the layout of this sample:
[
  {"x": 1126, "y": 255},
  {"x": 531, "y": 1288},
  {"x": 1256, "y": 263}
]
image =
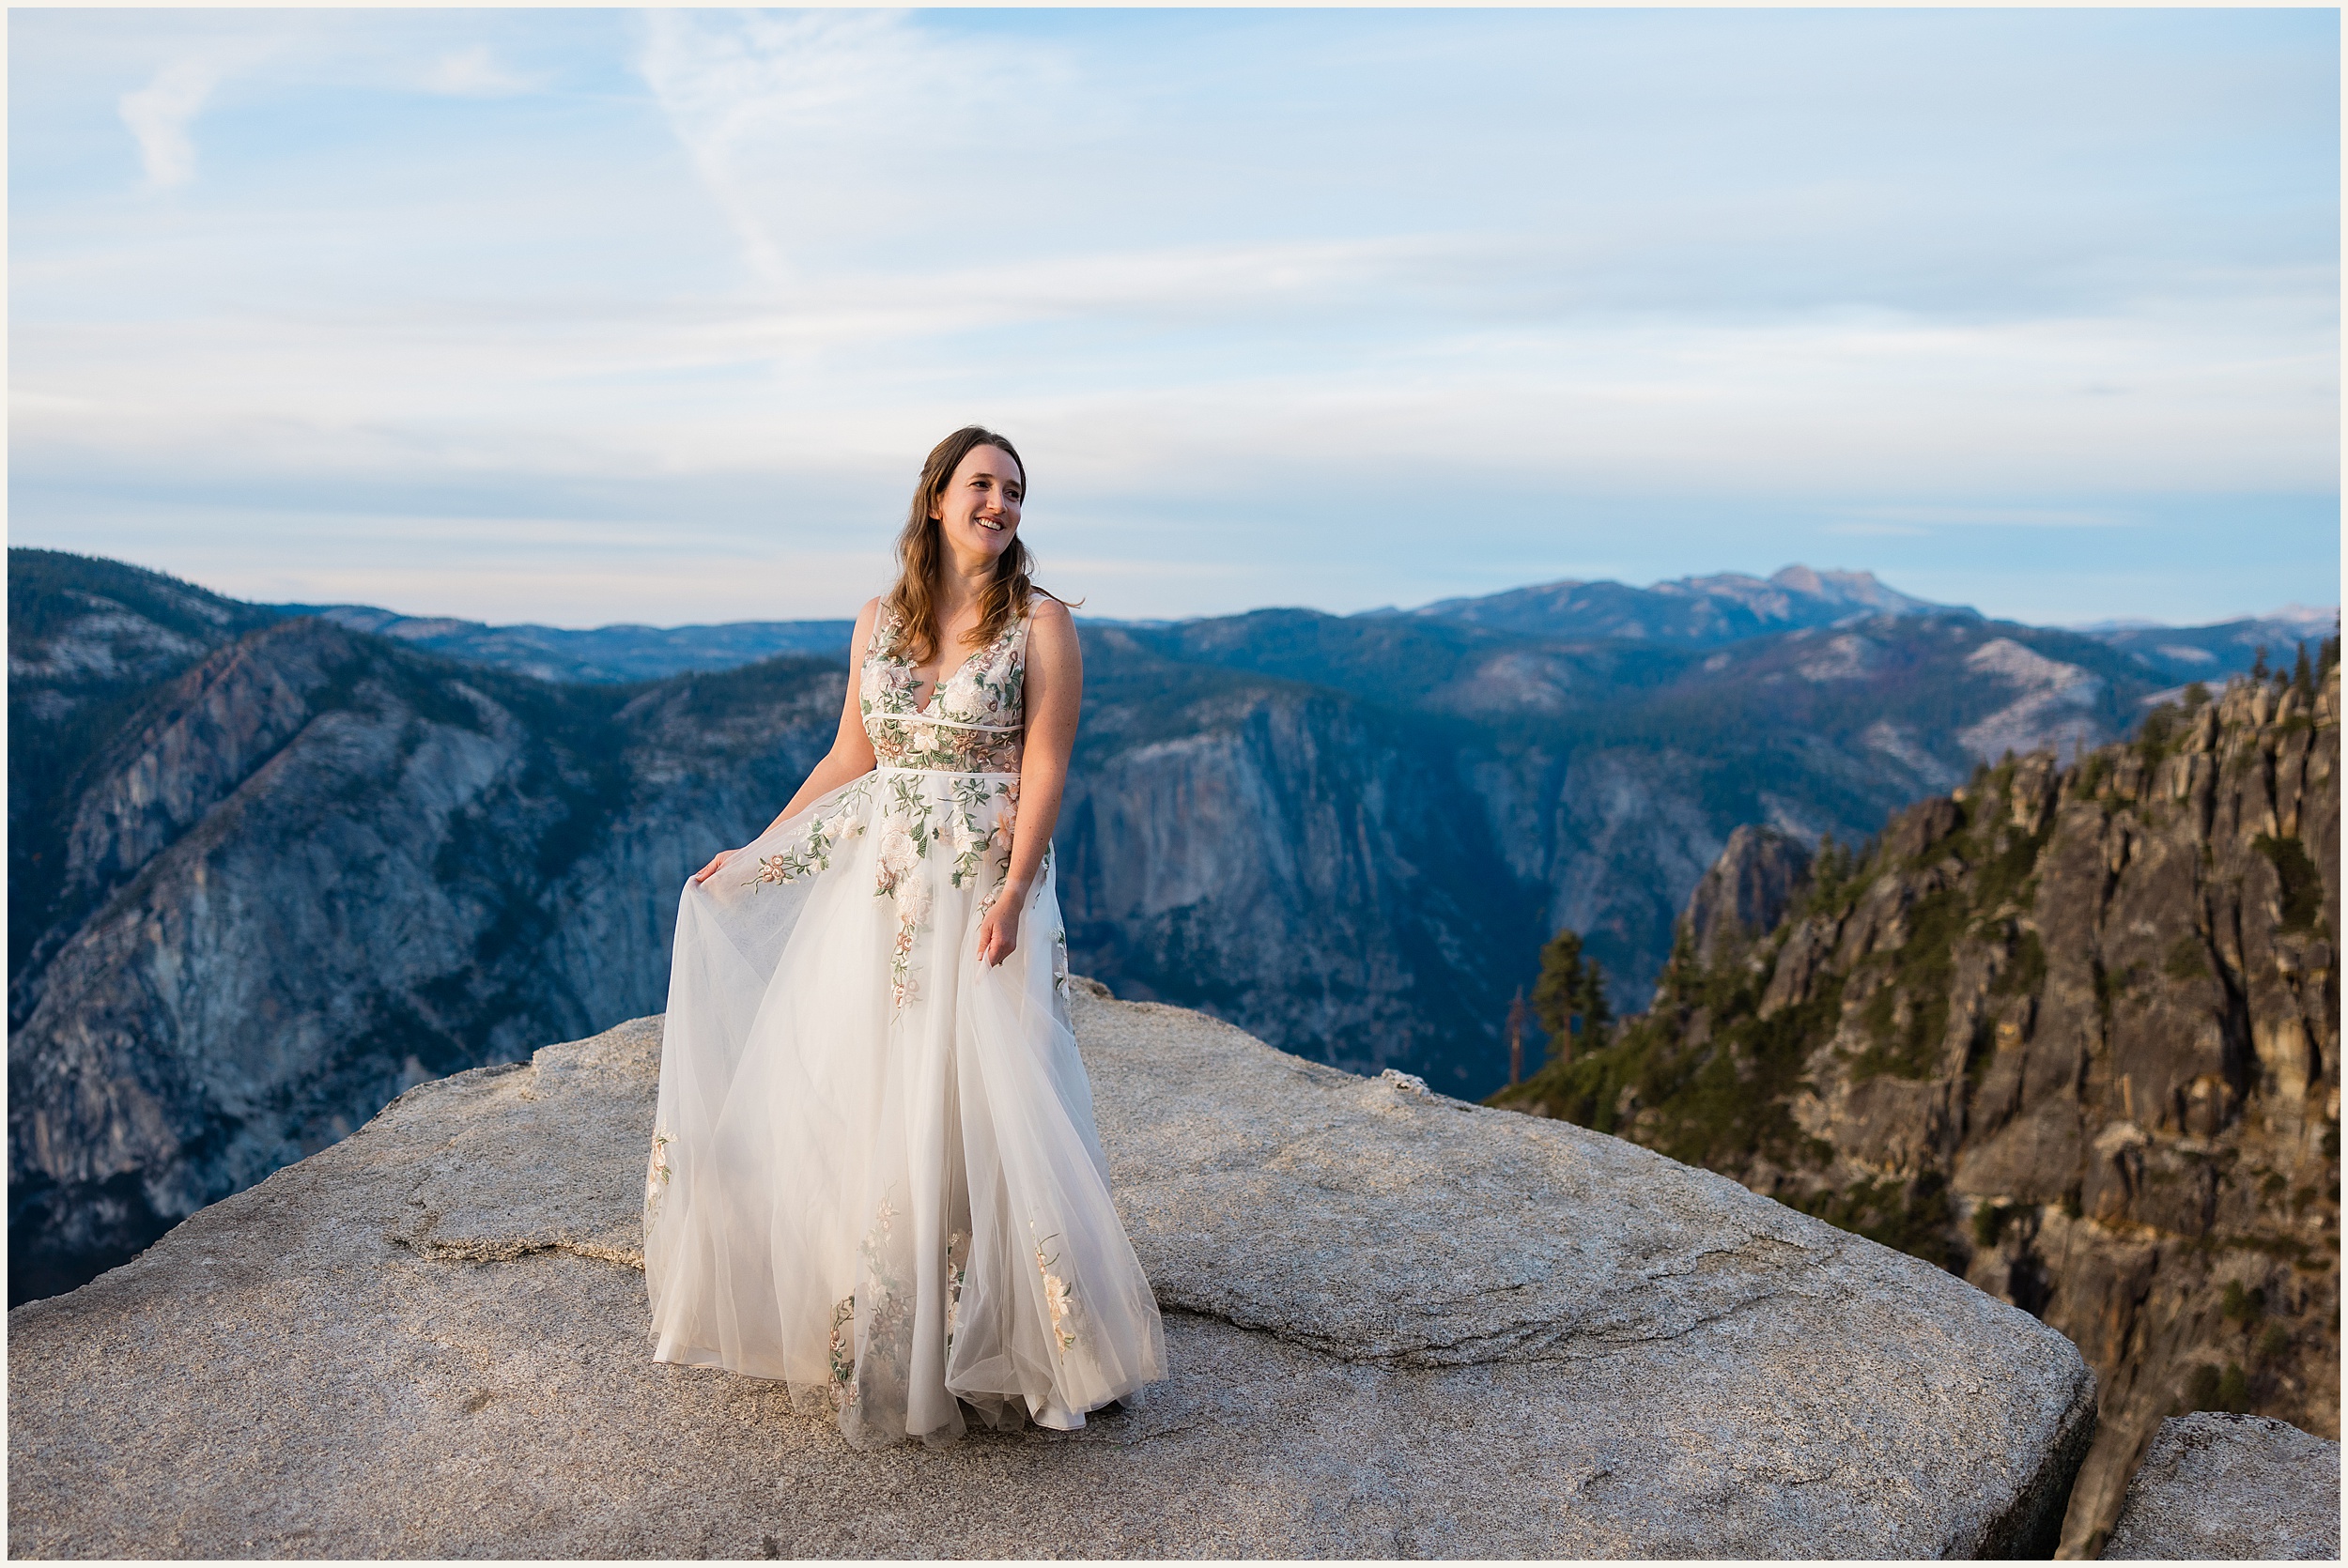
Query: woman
[{"x": 874, "y": 1174}]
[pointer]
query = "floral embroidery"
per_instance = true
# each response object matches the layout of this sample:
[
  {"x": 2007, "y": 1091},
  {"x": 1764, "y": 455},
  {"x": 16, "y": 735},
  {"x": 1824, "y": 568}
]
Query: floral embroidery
[
  {"x": 1005, "y": 825},
  {"x": 974, "y": 722},
  {"x": 885, "y": 1318},
  {"x": 1055, "y": 1296},
  {"x": 970, "y": 844},
  {"x": 973, "y": 725},
  {"x": 957, "y": 1263},
  {"x": 823, "y": 837},
  {"x": 906, "y": 835},
  {"x": 657, "y": 1179},
  {"x": 843, "y": 1353},
  {"x": 1059, "y": 961}
]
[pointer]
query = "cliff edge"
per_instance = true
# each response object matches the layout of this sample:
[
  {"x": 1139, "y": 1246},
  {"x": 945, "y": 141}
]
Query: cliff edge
[{"x": 1398, "y": 1326}]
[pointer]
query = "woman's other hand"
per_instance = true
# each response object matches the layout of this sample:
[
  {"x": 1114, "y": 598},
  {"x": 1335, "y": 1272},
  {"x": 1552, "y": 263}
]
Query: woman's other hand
[
  {"x": 715, "y": 863},
  {"x": 998, "y": 933}
]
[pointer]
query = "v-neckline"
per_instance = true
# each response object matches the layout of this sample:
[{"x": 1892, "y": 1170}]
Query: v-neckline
[{"x": 939, "y": 689}]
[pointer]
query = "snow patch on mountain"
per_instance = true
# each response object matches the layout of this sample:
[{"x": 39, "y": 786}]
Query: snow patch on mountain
[{"x": 2053, "y": 707}]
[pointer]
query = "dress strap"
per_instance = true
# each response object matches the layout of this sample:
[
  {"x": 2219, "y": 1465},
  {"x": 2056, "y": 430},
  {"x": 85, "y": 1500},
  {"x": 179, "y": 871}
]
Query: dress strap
[{"x": 1026, "y": 621}]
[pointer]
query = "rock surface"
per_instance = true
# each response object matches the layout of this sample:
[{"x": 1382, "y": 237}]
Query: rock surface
[
  {"x": 1398, "y": 1325},
  {"x": 2214, "y": 1486},
  {"x": 2072, "y": 1032},
  {"x": 1745, "y": 893}
]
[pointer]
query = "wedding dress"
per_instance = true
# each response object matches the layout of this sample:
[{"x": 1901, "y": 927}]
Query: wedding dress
[{"x": 874, "y": 1174}]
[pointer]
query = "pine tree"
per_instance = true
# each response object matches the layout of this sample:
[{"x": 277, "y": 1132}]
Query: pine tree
[
  {"x": 2258, "y": 666},
  {"x": 2302, "y": 677},
  {"x": 1572, "y": 990}
]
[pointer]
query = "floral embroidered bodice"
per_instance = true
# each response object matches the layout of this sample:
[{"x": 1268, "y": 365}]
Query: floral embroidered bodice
[{"x": 976, "y": 721}]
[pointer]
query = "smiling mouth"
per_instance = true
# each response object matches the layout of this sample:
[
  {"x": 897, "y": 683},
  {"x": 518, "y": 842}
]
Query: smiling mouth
[{"x": 995, "y": 528}]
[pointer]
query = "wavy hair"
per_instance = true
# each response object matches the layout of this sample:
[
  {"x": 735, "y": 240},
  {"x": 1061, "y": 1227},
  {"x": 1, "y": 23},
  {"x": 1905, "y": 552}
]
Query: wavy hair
[{"x": 912, "y": 603}]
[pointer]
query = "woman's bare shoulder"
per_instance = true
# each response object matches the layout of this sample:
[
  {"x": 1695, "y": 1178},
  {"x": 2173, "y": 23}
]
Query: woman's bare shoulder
[
  {"x": 867, "y": 617},
  {"x": 1049, "y": 611}
]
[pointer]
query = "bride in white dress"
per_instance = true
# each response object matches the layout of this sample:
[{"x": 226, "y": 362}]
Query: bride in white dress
[{"x": 874, "y": 1174}]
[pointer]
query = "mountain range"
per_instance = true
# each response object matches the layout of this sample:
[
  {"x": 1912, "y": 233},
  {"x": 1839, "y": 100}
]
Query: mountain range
[
  {"x": 1691, "y": 612},
  {"x": 266, "y": 869}
]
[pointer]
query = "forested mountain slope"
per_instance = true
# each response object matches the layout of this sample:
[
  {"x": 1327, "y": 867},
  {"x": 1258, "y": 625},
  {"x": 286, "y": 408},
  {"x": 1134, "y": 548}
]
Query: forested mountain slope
[
  {"x": 1695, "y": 612},
  {"x": 2072, "y": 1032},
  {"x": 601, "y": 654}
]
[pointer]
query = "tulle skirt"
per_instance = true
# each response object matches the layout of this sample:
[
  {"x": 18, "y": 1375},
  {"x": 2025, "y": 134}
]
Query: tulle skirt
[{"x": 875, "y": 1172}]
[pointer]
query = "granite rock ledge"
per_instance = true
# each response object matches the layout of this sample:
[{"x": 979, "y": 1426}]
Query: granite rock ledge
[
  {"x": 2218, "y": 1486},
  {"x": 1399, "y": 1324}
]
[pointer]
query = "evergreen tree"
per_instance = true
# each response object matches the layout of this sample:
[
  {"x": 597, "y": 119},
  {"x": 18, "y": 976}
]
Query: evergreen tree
[
  {"x": 2302, "y": 677},
  {"x": 2327, "y": 656},
  {"x": 1572, "y": 990},
  {"x": 2258, "y": 666}
]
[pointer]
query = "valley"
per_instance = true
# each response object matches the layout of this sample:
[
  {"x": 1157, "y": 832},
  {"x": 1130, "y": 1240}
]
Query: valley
[{"x": 267, "y": 870}]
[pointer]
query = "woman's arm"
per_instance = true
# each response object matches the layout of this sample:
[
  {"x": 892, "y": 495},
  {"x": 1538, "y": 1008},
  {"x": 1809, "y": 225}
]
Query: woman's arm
[
  {"x": 851, "y": 754},
  {"x": 1055, "y": 692}
]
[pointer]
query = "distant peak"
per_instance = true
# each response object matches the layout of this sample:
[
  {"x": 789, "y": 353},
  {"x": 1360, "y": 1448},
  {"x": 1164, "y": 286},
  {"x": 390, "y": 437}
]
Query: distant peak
[
  {"x": 1846, "y": 588},
  {"x": 2313, "y": 617}
]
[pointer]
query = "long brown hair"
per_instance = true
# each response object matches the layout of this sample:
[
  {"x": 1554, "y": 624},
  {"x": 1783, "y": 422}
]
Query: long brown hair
[{"x": 922, "y": 556}]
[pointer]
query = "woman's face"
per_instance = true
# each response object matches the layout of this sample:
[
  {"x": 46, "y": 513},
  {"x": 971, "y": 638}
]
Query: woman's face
[{"x": 980, "y": 511}]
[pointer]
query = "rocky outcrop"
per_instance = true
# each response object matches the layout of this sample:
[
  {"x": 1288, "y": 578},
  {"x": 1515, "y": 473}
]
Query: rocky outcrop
[
  {"x": 2235, "y": 1487},
  {"x": 1745, "y": 893},
  {"x": 2072, "y": 1032},
  {"x": 1398, "y": 1325}
]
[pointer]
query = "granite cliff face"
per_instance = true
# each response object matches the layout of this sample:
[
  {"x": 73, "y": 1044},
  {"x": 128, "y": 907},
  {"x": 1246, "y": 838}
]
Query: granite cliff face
[
  {"x": 2072, "y": 1032},
  {"x": 1397, "y": 1325},
  {"x": 1312, "y": 866},
  {"x": 88, "y": 642},
  {"x": 1604, "y": 776}
]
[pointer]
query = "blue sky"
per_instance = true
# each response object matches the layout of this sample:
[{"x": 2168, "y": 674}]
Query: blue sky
[{"x": 582, "y": 317}]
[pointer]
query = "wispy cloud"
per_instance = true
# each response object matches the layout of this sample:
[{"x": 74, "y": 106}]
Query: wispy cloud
[
  {"x": 1918, "y": 518},
  {"x": 476, "y": 72},
  {"x": 817, "y": 133},
  {"x": 1285, "y": 277},
  {"x": 160, "y": 115}
]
